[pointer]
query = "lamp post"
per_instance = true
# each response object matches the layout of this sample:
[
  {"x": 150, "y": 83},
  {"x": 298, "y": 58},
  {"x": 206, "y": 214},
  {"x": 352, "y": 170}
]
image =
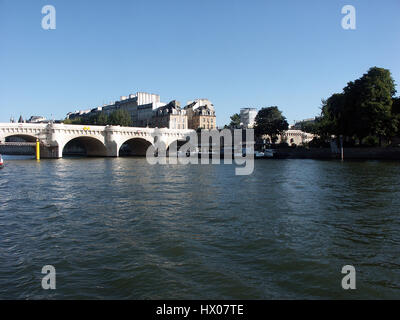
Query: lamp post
[
  {"x": 341, "y": 148},
  {"x": 37, "y": 149}
]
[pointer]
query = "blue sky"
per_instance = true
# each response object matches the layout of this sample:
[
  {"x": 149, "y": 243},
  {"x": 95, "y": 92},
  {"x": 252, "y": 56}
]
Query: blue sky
[{"x": 237, "y": 53}]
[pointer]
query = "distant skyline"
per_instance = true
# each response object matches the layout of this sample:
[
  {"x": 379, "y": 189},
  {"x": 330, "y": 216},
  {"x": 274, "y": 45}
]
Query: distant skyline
[{"x": 235, "y": 53}]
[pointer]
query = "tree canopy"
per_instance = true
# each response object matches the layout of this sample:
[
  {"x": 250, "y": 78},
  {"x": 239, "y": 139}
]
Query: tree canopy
[
  {"x": 396, "y": 106},
  {"x": 270, "y": 121},
  {"x": 364, "y": 108},
  {"x": 235, "y": 121},
  {"x": 119, "y": 117}
]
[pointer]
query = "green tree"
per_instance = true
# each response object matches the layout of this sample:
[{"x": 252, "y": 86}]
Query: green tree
[
  {"x": 369, "y": 102},
  {"x": 395, "y": 121},
  {"x": 271, "y": 122},
  {"x": 73, "y": 121},
  {"x": 89, "y": 120},
  {"x": 364, "y": 108},
  {"x": 335, "y": 118},
  {"x": 309, "y": 127},
  {"x": 235, "y": 121},
  {"x": 120, "y": 117},
  {"x": 396, "y": 106},
  {"x": 102, "y": 119}
]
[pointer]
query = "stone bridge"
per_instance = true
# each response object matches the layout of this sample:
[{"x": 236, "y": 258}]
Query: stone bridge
[{"x": 102, "y": 141}]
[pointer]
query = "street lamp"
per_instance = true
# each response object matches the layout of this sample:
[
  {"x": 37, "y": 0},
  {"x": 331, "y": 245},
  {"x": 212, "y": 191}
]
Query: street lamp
[{"x": 341, "y": 147}]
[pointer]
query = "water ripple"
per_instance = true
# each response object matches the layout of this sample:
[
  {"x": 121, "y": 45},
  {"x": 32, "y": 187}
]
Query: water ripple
[{"x": 121, "y": 229}]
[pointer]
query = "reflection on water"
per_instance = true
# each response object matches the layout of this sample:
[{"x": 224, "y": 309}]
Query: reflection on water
[
  {"x": 17, "y": 157},
  {"x": 120, "y": 228}
]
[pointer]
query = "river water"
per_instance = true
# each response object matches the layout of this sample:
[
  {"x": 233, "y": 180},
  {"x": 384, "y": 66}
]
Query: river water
[{"x": 123, "y": 229}]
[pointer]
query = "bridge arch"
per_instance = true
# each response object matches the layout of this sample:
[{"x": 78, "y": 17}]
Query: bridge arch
[
  {"x": 18, "y": 144},
  {"x": 136, "y": 146},
  {"x": 174, "y": 145},
  {"x": 19, "y": 137},
  {"x": 84, "y": 146}
]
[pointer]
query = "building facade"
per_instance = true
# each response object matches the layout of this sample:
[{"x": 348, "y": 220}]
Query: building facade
[
  {"x": 170, "y": 116},
  {"x": 140, "y": 107},
  {"x": 247, "y": 117},
  {"x": 201, "y": 114},
  {"x": 295, "y": 137},
  {"x": 146, "y": 110},
  {"x": 298, "y": 125},
  {"x": 37, "y": 119}
]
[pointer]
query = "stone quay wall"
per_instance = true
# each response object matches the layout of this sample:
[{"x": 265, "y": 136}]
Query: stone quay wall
[{"x": 349, "y": 153}]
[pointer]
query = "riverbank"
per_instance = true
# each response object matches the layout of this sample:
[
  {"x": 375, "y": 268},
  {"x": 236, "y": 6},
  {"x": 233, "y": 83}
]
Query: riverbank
[
  {"x": 282, "y": 153},
  {"x": 349, "y": 153},
  {"x": 11, "y": 150}
]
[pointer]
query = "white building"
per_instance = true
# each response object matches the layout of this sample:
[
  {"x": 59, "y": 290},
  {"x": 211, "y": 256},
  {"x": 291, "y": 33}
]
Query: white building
[
  {"x": 295, "y": 137},
  {"x": 247, "y": 117},
  {"x": 36, "y": 119},
  {"x": 146, "y": 110},
  {"x": 140, "y": 106},
  {"x": 201, "y": 114}
]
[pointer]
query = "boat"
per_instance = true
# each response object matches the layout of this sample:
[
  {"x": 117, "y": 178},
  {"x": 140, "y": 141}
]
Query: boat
[
  {"x": 259, "y": 155},
  {"x": 269, "y": 153},
  {"x": 1, "y": 162},
  {"x": 266, "y": 154}
]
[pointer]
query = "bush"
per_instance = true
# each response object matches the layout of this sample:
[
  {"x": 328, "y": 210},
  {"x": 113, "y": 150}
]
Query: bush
[
  {"x": 349, "y": 143},
  {"x": 281, "y": 145},
  {"x": 371, "y": 141},
  {"x": 318, "y": 142}
]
